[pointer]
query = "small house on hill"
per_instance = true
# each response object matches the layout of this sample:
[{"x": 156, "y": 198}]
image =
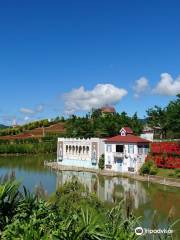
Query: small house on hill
[{"x": 108, "y": 110}]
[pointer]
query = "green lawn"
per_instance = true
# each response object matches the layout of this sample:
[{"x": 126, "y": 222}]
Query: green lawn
[{"x": 164, "y": 172}]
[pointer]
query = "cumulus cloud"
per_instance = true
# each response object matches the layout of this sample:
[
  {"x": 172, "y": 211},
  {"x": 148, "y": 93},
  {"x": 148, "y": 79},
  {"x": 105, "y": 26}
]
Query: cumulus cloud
[
  {"x": 141, "y": 86},
  {"x": 84, "y": 100},
  {"x": 167, "y": 85}
]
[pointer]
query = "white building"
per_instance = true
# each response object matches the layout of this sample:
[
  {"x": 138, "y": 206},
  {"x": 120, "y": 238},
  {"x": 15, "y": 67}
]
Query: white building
[
  {"x": 125, "y": 152},
  {"x": 148, "y": 133},
  {"x": 80, "y": 152}
]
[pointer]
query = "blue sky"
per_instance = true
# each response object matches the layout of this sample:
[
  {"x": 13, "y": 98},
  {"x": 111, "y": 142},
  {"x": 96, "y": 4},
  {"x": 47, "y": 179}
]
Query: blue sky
[{"x": 62, "y": 57}]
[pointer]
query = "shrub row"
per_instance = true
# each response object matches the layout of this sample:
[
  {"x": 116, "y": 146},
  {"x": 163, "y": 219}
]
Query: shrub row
[{"x": 28, "y": 148}]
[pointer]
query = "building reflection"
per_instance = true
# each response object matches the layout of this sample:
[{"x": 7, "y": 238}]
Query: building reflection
[{"x": 112, "y": 189}]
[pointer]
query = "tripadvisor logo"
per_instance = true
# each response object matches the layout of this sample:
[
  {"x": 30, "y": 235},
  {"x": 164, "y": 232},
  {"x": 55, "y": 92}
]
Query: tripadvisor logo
[{"x": 139, "y": 231}]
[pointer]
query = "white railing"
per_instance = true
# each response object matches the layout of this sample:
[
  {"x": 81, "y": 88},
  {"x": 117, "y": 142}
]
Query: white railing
[{"x": 119, "y": 154}]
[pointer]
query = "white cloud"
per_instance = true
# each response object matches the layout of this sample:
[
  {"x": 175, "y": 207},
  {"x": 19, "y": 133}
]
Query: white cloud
[
  {"x": 26, "y": 118},
  {"x": 141, "y": 86},
  {"x": 167, "y": 86},
  {"x": 38, "y": 109},
  {"x": 84, "y": 100},
  {"x": 27, "y": 111}
]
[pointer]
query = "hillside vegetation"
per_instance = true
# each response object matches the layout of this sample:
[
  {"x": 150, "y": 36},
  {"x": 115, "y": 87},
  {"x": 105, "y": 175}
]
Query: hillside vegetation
[{"x": 165, "y": 122}]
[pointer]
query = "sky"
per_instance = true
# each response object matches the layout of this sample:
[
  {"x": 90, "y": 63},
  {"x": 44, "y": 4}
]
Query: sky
[{"x": 67, "y": 57}]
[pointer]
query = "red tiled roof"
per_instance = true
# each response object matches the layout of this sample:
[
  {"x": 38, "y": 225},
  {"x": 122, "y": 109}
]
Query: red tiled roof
[
  {"x": 108, "y": 109},
  {"x": 128, "y": 130},
  {"x": 127, "y": 139}
]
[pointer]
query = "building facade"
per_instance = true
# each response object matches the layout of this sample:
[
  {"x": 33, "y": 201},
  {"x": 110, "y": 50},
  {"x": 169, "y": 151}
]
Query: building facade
[
  {"x": 125, "y": 152},
  {"x": 148, "y": 133},
  {"x": 80, "y": 152}
]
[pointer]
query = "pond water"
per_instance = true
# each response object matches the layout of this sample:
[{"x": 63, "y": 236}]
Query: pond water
[{"x": 147, "y": 198}]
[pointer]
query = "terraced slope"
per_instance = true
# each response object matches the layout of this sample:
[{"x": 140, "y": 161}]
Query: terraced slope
[{"x": 39, "y": 132}]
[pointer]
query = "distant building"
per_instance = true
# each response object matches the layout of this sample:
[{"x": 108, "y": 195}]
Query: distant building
[
  {"x": 14, "y": 123},
  {"x": 107, "y": 110},
  {"x": 148, "y": 133},
  {"x": 80, "y": 152},
  {"x": 125, "y": 131},
  {"x": 125, "y": 152}
]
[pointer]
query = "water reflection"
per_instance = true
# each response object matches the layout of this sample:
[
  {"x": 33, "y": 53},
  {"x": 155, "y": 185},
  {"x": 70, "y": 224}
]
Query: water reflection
[
  {"x": 108, "y": 189},
  {"x": 145, "y": 198}
]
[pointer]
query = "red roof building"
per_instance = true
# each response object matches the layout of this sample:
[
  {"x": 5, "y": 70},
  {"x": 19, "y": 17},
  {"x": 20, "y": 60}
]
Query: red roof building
[
  {"x": 108, "y": 109},
  {"x": 125, "y": 152},
  {"x": 125, "y": 131},
  {"x": 126, "y": 139}
]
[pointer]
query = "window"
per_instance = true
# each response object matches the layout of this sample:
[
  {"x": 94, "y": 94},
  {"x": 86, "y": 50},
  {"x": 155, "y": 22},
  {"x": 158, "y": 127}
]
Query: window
[
  {"x": 108, "y": 148},
  {"x": 131, "y": 148},
  {"x": 120, "y": 148},
  {"x": 146, "y": 149},
  {"x": 140, "y": 149},
  {"x": 123, "y": 133}
]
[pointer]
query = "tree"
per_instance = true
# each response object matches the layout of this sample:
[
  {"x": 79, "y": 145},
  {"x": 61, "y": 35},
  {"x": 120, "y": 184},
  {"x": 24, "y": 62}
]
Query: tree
[
  {"x": 173, "y": 117},
  {"x": 136, "y": 124},
  {"x": 101, "y": 162},
  {"x": 157, "y": 119},
  {"x": 166, "y": 119}
]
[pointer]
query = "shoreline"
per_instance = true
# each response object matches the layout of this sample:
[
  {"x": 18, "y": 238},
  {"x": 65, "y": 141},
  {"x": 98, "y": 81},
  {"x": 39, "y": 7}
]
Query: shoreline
[
  {"x": 23, "y": 154},
  {"x": 146, "y": 178}
]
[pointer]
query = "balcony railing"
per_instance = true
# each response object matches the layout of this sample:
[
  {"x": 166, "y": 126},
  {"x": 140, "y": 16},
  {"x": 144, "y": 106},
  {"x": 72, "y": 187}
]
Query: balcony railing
[
  {"x": 119, "y": 155},
  {"x": 94, "y": 161}
]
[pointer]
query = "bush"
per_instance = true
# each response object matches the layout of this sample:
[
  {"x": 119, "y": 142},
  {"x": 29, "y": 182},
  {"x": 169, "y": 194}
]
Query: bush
[
  {"x": 178, "y": 175},
  {"x": 153, "y": 170},
  {"x": 171, "y": 174},
  {"x": 101, "y": 162},
  {"x": 75, "y": 214},
  {"x": 149, "y": 167},
  {"x": 177, "y": 171}
]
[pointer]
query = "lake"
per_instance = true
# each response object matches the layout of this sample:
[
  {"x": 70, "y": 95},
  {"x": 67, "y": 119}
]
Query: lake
[{"x": 147, "y": 198}]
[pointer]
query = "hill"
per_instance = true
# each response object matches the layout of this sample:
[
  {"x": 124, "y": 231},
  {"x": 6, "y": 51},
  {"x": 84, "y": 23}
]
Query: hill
[
  {"x": 2, "y": 126},
  {"x": 57, "y": 128}
]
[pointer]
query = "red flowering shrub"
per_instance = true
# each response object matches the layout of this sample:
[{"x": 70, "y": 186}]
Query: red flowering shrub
[{"x": 165, "y": 154}]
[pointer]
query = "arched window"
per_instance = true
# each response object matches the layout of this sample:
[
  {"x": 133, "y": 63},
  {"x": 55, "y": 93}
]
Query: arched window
[
  {"x": 87, "y": 149},
  {"x": 80, "y": 149},
  {"x": 66, "y": 148},
  {"x": 73, "y": 149},
  {"x": 84, "y": 149},
  {"x": 76, "y": 149}
]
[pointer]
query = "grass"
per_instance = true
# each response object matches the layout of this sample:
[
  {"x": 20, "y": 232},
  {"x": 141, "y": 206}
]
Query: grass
[{"x": 165, "y": 172}]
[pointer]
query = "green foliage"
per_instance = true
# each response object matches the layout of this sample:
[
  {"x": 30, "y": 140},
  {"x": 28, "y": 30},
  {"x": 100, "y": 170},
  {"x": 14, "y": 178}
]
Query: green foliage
[
  {"x": 101, "y": 161},
  {"x": 175, "y": 173},
  {"x": 29, "y": 146},
  {"x": 166, "y": 119},
  {"x": 149, "y": 167},
  {"x": 72, "y": 214},
  {"x": 82, "y": 217},
  {"x": 2, "y": 126},
  {"x": 29, "y": 126},
  {"x": 97, "y": 124}
]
